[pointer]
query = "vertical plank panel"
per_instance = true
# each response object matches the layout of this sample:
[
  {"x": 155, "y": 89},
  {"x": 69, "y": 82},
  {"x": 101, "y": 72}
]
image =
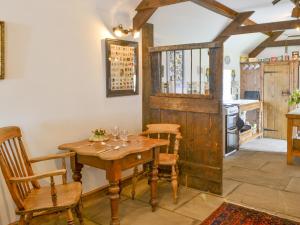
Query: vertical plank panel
[
  {"x": 201, "y": 150},
  {"x": 147, "y": 41}
]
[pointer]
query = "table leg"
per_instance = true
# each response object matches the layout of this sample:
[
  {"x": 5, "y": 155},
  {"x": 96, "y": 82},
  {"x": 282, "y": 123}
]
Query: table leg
[
  {"x": 114, "y": 195},
  {"x": 154, "y": 179},
  {"x": 290, "y": 142},
  {"x": 76, "y": 168}
]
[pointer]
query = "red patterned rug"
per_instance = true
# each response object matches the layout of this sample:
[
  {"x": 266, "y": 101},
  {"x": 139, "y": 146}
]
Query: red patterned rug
[{"x": 229, "y": 214}]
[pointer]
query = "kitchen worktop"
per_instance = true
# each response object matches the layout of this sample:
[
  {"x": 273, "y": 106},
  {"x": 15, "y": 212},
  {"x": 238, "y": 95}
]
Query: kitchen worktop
[{"x": 240, "y": 102}]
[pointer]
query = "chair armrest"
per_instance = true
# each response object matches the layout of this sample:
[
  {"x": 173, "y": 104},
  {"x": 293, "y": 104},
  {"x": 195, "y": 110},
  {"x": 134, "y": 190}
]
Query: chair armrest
[
  {"x": 178, "y": 136},
  {"x": 38, "y": 176},
  {"x": 51, "y": 157}
]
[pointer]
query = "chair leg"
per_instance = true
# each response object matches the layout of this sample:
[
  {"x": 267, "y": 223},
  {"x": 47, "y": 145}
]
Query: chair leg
[
  {"x": 79, "y": 214},
  {"x": 174, "y": 184},
  {"x": 22, "y": 220},
  {"x": 70, "y": 217},
  {"x": 28, "y": 218},
  {"x": 177, "y": 172},
  {"x": 134, "y": 182}
]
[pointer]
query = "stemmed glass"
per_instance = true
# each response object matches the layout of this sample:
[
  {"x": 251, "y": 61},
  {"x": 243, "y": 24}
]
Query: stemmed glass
[
  {"x": 124, "y": 137},
  {"x": 115, "y": 133}
]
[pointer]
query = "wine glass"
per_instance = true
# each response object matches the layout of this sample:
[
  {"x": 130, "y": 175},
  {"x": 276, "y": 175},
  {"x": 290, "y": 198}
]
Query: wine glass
[
  {"x": 115, "y": 133},
  {"x": 124, "y": 137}
]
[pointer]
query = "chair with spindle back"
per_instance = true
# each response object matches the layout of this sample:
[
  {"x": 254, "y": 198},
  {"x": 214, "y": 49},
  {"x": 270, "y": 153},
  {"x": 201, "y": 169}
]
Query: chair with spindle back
[
  {"x": 167, "y": 158},
  {"x": 30, "y": 198}
]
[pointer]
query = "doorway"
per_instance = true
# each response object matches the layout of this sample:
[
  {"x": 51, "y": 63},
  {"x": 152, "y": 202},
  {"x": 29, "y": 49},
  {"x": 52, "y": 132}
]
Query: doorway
[{"x": 277, "y": 89}]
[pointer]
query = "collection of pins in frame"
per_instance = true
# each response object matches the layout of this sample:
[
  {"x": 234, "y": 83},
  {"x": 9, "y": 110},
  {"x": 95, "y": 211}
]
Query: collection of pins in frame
[{"x": 122, "y": 61}]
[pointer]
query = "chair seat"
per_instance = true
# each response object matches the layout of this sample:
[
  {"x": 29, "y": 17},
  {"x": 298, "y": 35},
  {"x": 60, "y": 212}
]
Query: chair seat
[
  {"x": 68, "y": 195},
  {"x": 167, "y": 159}
]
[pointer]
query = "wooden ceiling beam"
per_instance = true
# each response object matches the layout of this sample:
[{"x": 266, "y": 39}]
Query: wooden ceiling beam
[
  {"x": 282, "y": 43},
  {"x": 261, "y": 47},
  {"x": 221, "y": 9},
  {"x": 142, "y": 17},
  {"x": 147, "y": 7},
  {"x": 151, "y": 4},
  {"x": 266, "y": 27},
  {"x": 237, "y": 22}
]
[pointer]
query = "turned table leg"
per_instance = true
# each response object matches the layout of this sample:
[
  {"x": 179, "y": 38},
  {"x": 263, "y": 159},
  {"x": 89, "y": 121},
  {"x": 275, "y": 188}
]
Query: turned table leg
[
  {"x": 114, "y": 196},
  {"x": 290, "y": 142},
  {"x": 76, "y": 168},
  {"x": 154, "y": 179},
  {"x": 113, "y": 175}
]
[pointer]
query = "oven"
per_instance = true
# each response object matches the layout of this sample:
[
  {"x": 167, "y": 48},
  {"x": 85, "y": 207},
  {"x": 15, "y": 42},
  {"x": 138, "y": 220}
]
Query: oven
[{"x": 231, "y": 139}]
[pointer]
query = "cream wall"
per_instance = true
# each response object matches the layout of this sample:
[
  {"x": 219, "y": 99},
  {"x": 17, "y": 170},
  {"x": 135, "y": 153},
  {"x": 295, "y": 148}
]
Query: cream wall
[
  {"x": 55, "y": 84},
  {"x": 55, "y": 79}
]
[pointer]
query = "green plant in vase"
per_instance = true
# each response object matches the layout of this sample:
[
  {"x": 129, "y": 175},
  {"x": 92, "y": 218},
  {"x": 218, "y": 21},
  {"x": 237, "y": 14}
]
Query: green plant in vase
[
  {"x": 98, "y": 135},
  {"x": 295, "y": 98}
]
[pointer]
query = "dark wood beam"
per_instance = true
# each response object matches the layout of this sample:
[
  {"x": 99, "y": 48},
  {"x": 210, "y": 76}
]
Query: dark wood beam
[
  {"x": 142, "y": 17},
  {"x": 147, "y": 41},
  {"x": 282, "y": 43},
  {"x": 221, "y": 9},
  {"x": 266, "y": 27},
  {"x": 238, "y": 21},
  {"x": 147, "y": 7},
  {"x": 151, "y": 4},
  {"x": 261, "y": 47},
  {"x": 215, "y": 44}
]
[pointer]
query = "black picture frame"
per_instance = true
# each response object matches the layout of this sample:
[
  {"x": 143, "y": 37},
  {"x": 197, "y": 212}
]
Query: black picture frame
[{"x": 118, "y": 84}]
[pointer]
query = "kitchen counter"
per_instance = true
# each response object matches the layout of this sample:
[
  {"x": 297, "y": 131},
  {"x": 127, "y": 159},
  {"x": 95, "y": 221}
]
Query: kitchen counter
[
  {"x": 249, "y": 105},
  {"x": 245, "y": 104}
]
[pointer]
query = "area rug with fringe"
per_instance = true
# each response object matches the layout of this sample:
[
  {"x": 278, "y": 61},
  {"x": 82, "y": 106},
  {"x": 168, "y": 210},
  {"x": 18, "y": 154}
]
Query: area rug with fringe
[{"x": 229, "y": 214}]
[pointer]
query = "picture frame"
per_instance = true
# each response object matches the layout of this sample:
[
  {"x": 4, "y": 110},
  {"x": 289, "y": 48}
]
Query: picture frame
[
  {"x": 2, "y": 50},
  {"x": 122, "y": 68}
]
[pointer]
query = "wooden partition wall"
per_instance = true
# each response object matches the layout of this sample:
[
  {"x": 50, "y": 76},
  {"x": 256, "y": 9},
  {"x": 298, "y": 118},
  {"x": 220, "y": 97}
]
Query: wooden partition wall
[{"x": 200, "y": 116}]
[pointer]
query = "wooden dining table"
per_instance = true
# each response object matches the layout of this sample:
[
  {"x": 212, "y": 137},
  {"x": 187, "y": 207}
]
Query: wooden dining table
[{"x": 114, "y": 156}]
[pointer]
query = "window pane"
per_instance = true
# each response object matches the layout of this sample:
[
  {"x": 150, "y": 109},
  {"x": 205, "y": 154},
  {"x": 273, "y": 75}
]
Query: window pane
[{"x": 185, "y": 72}]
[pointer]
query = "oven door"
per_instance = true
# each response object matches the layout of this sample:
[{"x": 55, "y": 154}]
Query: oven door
[
  {"x": 231, "y": 121},
  {"x": 232, "y": 141}
]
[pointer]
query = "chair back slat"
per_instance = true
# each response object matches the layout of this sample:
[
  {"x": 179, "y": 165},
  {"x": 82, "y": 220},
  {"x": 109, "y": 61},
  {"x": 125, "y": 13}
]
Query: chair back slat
[
  {"x": 17, "y": 165},
  {"x": 14, "y": 163},
  {"x": 21, "y": 163},
  {"x": 171, "y": 132},
  {"x": 168, "y": 147}
]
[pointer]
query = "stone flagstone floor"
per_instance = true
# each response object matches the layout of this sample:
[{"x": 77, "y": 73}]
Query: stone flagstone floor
[{"x": 259, "y": 180}]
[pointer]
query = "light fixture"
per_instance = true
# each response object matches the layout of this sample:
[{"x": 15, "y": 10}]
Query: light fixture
[
  {"x": 120, "y": 31},
  {"x": 136, "y": 34}
]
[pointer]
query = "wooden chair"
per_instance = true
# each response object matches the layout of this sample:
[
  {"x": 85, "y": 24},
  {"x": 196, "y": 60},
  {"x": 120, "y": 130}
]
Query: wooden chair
[
  {"x": 30, "y": 198},
  {"x": 168, "y": 158}
]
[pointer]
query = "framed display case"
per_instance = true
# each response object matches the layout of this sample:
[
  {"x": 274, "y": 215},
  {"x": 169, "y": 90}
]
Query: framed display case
[
  {"x": 121, "y": 68},
  {"x": 2, "y": 50}
]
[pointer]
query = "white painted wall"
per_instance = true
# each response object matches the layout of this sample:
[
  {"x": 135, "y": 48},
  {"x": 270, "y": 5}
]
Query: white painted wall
[
  {"x": 55, "y": 84},
  {"x": 278, "y": 51},
  {"x": 55, "y": 79}
]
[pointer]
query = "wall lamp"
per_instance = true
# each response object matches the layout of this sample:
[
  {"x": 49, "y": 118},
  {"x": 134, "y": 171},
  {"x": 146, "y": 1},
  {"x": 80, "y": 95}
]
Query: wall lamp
[{"x": 119, "y": 31}]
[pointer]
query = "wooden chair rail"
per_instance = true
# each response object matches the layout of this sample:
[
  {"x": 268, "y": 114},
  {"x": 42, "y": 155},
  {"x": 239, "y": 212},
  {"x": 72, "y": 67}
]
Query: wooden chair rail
[{"x": 38, "y": 176}]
